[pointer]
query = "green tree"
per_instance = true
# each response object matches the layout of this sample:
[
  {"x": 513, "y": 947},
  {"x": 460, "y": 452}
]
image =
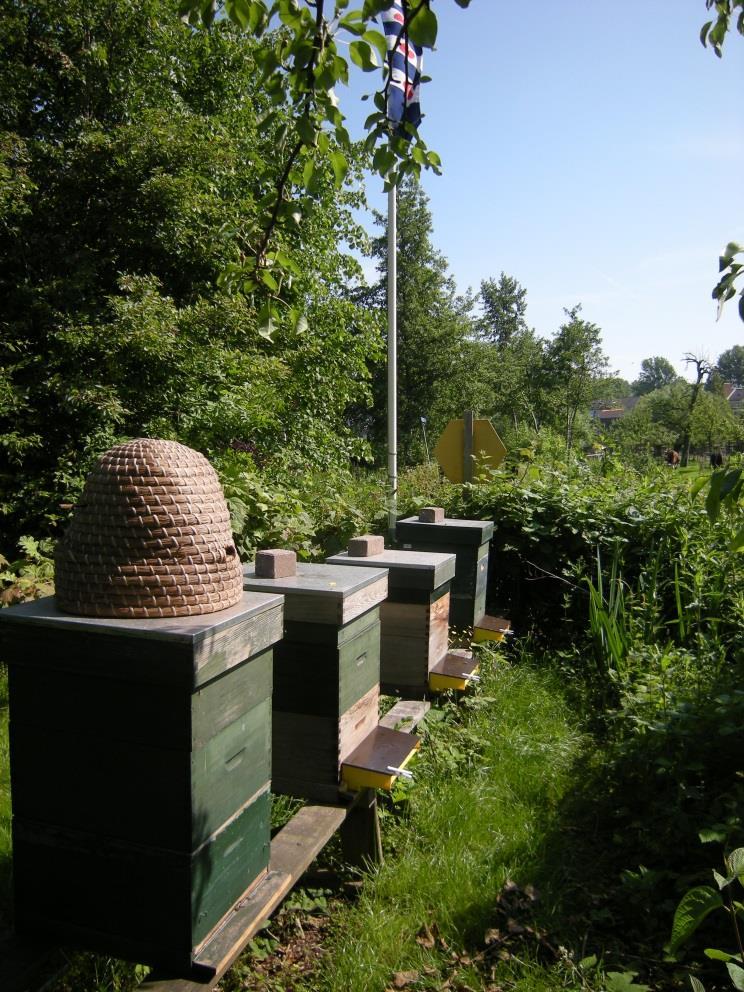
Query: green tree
[
  {"x": 712, "y": 424},
  {"x": 656, "y": 373},
  {"x": 134, "y": 157},
  {"x": 730, "y": 365},
  {"x": 303, "y": 61},
  {"x": 574, "y": 366},
  {"x": 504, "y": 303}
]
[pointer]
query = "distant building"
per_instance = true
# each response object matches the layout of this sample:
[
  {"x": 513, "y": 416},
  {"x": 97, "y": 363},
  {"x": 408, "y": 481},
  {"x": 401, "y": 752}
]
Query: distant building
[
  {"x": 607, "y": 416},
  {"x": 734, "y": 396}
]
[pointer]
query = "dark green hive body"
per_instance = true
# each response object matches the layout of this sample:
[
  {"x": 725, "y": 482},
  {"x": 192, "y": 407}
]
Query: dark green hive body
[
  {"x": 326, "y": 673},
  {"x": 140, "y": 767},
  {"x": 468, "y": 540},
  {"x": 414, "y": 618}
]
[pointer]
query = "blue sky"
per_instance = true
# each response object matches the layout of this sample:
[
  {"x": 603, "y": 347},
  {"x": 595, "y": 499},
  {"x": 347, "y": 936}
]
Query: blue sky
[{"x": 594, "y": 150}]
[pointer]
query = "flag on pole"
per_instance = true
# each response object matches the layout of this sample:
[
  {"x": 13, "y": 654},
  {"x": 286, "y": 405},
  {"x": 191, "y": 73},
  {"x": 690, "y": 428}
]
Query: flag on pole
[{"x": 405, "y": 64}]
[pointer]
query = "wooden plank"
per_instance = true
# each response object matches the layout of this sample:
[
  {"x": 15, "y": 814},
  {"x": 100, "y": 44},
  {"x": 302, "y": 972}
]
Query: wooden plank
[
  {"x": 153, "y": 715},
  {"x": 128, "y": 901},
  {"x": 293, "y": 850},
  {"x": 361, "y": 841},
  {"x": 324, "y": 680},
  {"x": 358, "y": 722},
  {"x": 406, "y": 715}
]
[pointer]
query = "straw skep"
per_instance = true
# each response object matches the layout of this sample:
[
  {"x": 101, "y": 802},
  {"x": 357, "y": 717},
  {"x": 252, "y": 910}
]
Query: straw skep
[{"x": 150, "y": 537}]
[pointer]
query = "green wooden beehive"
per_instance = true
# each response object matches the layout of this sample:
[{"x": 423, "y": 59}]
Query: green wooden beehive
[
  {"x": 140, "y": 768},
  {"x": 414, "y": 618},
  {"x": 326, "y": 672},
  {"x": 468, "y": 540}
]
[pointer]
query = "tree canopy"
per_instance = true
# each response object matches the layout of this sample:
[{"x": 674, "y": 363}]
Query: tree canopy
[
  {"x": 134, "y": 156},
  {"x": 656, "y": 373}
]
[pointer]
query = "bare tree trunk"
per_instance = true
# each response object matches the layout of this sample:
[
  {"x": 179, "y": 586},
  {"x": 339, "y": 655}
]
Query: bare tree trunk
[{"x": 702, "y": 368}]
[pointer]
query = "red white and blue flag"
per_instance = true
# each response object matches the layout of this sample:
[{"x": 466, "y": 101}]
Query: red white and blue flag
[{"x": 405, "y": 64}]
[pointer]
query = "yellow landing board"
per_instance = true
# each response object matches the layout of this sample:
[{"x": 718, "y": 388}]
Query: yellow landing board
[
  {"x": 376, "y": 763},
  {"x": 491, "y": 629},
  {"x": 457, "y": 670}
]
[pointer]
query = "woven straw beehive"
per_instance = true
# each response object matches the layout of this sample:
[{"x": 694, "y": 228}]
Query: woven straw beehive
[{"x": 150, "y": 537}]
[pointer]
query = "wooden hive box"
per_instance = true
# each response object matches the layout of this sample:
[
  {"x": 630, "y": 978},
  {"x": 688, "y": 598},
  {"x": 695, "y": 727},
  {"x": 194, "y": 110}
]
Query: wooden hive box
[
  {"x": 414, "y": 618},
  {"x": 140, "y": 773},
  {"x": 326, "y": 674},
  {"x": 466, "y": 539}
]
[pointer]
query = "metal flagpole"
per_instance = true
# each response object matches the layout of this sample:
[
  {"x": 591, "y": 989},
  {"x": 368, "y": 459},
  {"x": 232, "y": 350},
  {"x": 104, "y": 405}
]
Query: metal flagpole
[{"x": 392, "y": 367}]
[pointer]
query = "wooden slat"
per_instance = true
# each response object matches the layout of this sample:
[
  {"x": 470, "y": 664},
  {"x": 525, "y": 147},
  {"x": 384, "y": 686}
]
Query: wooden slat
[
  {"x": 406, "y": 715},
  {"x": 293, "y": 850}
]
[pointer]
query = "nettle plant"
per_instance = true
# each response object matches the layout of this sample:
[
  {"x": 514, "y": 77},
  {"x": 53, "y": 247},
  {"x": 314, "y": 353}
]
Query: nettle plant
[{"x": 697, "y": 904}]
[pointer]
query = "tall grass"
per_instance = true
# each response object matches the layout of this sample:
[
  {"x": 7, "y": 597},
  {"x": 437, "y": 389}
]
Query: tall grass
[{"x": 477, "y": 816}]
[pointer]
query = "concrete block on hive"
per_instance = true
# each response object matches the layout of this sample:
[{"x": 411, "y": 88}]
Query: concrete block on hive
[
  {"x": 366, "y": 546},
  {"x": 276, "y": 563},
  {"x": 431, "y": 515}
]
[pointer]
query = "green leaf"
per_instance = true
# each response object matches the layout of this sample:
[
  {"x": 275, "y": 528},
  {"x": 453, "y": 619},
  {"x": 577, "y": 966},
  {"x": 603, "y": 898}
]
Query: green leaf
[
  {"x": 730, "y": 480},
  {"x": 720, "y": 880},
  {"x": 340, "y": 167},
  {"x": 713, "y": 499},
  {"x": 307, "y": 173},
  {"x": 306, "y": 131},
  {"x": 737, "y": 542},
  {"x": 268, "y": 280},
  {"x": 697, "y": 985},
  {"x": 623, "y": 981},
  {"x": 735, "y": 862},
  {"x": 353, "y": 22},
  {"x": 712, "y": 834},
  {"x": 361, "y": 55},
  {"x": 715, "y": 955},
  {"x": 377, "y": 39},
  {"x": 374, "y": 7},
  {"x": 693, "y": 908},
  {"x": 699, "y": 484},
  {"x": 422, "y": 26},
  {"x": 736, "y": 974}
]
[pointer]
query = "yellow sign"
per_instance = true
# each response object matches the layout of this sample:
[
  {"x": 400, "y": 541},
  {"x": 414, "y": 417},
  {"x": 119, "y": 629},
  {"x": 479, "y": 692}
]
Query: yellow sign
[{"x": 488, "y": 449}]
